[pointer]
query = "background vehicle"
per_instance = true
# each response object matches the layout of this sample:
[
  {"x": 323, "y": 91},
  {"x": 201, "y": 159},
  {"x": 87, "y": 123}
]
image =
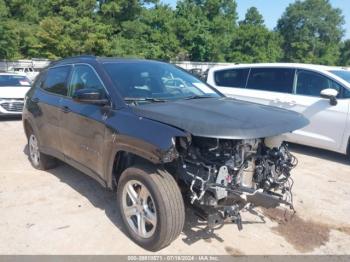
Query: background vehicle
[
  {"x": 30, "y": 72},
  {"x": 198, "y": 72},
  {"x": 320, "y": 93},
  {"x": 120, "y": 122},
  {"x": 13, "y": 88}
]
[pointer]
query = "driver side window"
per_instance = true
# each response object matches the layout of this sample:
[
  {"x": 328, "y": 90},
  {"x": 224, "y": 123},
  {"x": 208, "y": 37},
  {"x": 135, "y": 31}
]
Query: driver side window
[
  {"x": 84, "y": 77},
  {"x": 311, "y": 84}
]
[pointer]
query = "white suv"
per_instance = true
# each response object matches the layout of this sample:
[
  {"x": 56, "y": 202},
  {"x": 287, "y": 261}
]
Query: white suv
[
  {"x": 13, "y": 88},
  {"x": 321, "y": 93}
]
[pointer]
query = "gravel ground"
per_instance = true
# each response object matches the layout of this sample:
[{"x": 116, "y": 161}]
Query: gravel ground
[{"x": 62, "y": 211}]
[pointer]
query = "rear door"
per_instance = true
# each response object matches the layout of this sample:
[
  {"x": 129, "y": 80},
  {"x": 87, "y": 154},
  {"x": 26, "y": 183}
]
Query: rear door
[
  {"x": 52, "y": 88},
  {"x": 83, "y": 125},
  {"x": 327, "y": 122},
  {"x": 270, "y": 86},
  {"x": 266, "y": 85}
]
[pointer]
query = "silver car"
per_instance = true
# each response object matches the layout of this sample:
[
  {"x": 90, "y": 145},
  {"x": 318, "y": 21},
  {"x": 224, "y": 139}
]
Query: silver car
[{"x": 13, "y": 88}]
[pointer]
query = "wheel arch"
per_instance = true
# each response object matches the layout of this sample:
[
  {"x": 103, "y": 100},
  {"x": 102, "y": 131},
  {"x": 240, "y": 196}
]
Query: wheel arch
[
  {"x": 27, "y": 127},
  {"x": 122, "y": 159}
]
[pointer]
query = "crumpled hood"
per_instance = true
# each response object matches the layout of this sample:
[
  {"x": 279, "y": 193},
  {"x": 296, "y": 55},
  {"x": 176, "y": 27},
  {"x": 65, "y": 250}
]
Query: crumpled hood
[{"x": 223, "y": 117}]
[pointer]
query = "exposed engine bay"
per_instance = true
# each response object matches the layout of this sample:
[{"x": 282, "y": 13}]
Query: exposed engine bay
[{"x": 225, "y": 176}]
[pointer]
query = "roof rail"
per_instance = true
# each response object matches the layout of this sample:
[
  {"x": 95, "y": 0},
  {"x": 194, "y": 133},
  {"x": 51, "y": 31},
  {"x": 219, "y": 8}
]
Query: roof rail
[
  {"x": 81, "y": 56},
  {"x": 71, "y": 58}
]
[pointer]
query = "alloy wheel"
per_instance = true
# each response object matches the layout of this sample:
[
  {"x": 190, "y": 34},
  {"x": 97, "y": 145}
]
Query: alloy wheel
[
  {"x": 34, "y": 150},
  {"x": 139, "y": 209}
]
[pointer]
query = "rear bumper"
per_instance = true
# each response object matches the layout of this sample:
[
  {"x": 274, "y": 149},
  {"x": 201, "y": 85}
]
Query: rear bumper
[{"x": 11, "y": 107}]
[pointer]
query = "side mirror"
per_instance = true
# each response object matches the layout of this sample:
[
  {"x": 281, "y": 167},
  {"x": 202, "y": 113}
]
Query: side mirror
[
  {"x": 90, "y": 96},
  {"x": 330, "y": 94}
]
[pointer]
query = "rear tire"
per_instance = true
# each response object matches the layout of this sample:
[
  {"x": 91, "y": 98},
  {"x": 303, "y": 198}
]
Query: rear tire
[
  {"x": 156, "y": 201},
  {"x": 37, "y": 159}
]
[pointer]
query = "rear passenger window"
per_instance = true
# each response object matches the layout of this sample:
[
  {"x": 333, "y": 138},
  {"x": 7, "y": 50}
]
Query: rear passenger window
[
  {"x": 311, "y": 84},
  {"x": 271, "y": 79},
  {"x": 56, "y": 79},
  {"x": 231, "y": 77}
]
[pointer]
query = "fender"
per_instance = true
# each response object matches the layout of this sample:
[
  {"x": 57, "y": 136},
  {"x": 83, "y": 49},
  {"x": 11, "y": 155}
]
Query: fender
[
  {"x": 29, "y": 122},
  {"x": 143, "y": 137}
]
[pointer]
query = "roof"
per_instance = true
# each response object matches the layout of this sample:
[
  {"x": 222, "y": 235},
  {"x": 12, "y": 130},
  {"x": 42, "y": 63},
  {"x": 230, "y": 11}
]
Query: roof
[
  {"x": 289, "y": 65},
  {"x": 322, "y": 69},
  {"x": 90, "y": 58}
]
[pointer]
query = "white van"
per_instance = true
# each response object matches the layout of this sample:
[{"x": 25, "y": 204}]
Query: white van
[{"x": 321, "y": 93}]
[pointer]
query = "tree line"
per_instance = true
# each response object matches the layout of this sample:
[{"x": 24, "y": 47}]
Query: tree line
[{"x": 309, "y": 31}]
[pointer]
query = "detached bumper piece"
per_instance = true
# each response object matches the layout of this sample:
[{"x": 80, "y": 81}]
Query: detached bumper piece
[{"x": 216, "y": 216}]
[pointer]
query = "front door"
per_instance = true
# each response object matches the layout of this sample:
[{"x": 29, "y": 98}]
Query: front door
[
  {"x": 327, "y": 122},
  {"x": 83, "y": 125}
]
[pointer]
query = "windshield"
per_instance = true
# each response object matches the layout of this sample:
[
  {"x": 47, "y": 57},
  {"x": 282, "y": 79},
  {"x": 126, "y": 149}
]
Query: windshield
[
  {"x": 147, "y": 81},
  {"x": 14, "y": 80},
  {"x": 342, "y": 74}
]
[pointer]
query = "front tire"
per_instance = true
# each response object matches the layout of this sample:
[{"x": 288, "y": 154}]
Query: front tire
[
  {"x": 151, "y": 206},
  {"x": 37, "y": 159}
]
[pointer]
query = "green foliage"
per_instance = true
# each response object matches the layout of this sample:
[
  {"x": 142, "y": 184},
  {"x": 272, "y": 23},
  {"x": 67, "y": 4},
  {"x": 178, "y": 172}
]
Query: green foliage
[
  {"x": 3, "y": 9},
  {"x": 253, "y": 42},
  {"x": 345, "y": 54},
  {"x": 312, "y": 31},
  {"x": 152, "y": 35},
  {"x": 198, "y": 30},
  {"x": 205, "y": 28},
  {"x": 8, "y": 40},
  {"x": 23, "y": 10},
  {"x": 253, "y": 17}
]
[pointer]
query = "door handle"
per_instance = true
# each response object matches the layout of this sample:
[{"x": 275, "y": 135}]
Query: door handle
[
  {"x": 292, "y": 103},
  {"x": 277, "y": 101},
  {"x": 35, "y": 100},
  {"x": 65, "y": 109},
  {"x": 286, "y": 102}
]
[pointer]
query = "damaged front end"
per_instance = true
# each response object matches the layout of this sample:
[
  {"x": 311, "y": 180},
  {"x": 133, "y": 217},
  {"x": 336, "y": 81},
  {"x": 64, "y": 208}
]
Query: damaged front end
[{"x": 220, "y": 177}]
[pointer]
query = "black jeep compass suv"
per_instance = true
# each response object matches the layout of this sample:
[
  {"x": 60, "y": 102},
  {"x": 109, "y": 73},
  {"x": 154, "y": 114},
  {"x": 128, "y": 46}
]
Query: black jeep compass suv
[{"x": 158, "y": 136}]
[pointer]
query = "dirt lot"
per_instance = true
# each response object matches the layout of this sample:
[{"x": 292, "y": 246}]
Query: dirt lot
[{"x": 65, "y": 212}]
